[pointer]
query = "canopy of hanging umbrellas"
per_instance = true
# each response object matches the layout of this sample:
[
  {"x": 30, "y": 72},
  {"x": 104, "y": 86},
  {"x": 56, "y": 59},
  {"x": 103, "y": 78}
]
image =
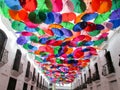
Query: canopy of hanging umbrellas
[{"x": 62, "y": 34}]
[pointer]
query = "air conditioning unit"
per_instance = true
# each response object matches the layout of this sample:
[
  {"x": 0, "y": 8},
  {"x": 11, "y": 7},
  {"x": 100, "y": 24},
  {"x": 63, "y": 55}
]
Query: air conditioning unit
[
  {"x": 17, "y": 73},
  {"x": 29, "y": 77},
  {"x": 34, "y": 81},
  {"x": 4, "y": 58}
]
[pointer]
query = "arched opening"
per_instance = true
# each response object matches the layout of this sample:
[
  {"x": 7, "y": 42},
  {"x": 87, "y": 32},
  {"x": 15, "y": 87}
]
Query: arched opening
[{"x": 3, "y": 40}]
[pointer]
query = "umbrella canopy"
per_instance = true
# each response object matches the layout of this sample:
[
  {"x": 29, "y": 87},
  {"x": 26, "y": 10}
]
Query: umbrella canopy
[
  {"x": 88, "y": 17},
  {"x": 57, "y": 5},
  {"x": 28, "y": 5},
  {"x": 115, "y": 4},
  {"x": 37, "y": 17},
  {"x": 18, "y": 26},
  {"x": 4, "y": 9},
  {"x": 79, "y": 6},
  {"x": 67, "y": 6},
  {"x": 102, "y": 18},
  {"x": 13, "y": 4},
  {"x": 115, "y": 14},
  {"x": 62, "y": 35}
]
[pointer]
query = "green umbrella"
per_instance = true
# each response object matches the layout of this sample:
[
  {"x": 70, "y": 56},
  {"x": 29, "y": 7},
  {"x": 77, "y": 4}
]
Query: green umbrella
[
  {"x": 67, "y": 25},
  {"x": 48, "y": 4},
  {"x": 18, "y": 26},
  {"x": 94, "y": 33},
  {"x": 34, "y": 39},
  {"x": 38, "y": 59},
  {"x": 102, "y": 18},
  {"x": 40, "y": 31},
  {"x": 44, "y": 53},
  {"x": 40, "y": 4},
  {"x": 99, "y": 42},
  {"x": 26, "y": 46},
  {"x": 80, "y": 44},
  {"x": 4, "y": 9},
  {"x": 37, "y": 17},
  {"x": 56, "y": 49},
  {"x": 115, "y": 4},
  {"x": 58, "y": 60},
  {"x": 79, "y": 6},
  {"x": 44, "y": 5}
]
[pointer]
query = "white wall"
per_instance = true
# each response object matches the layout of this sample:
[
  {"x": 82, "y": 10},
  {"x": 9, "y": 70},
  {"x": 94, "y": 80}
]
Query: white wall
[
  {"x": 11, "y": 47},
  {"x": 113, "y": 45}
]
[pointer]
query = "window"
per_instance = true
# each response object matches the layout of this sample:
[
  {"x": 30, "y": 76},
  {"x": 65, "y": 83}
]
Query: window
[
  {"x": 33, "y": 78},
  {"x": 28, "y": 69},
  {"x": 109, "y": 62},
  {"x": 96, "y": 75},
  {"x": 43, "y": 82},
  {"x": 25, "y": 86},
  {"x": 38, "y": 80},
  {"x": 3, "y": 40},
  {"x": 91, "y": 88},
  {"x": 31, "y": 88},
  {"x": 85, "y": 78},
  {"x": 96, "y": 68},
  {"x": 17, "y": 60},
  {"x": 11, "y": 84}
]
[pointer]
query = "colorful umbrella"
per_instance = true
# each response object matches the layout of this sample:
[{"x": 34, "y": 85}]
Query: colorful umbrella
[{"x": 63, "y": 35}]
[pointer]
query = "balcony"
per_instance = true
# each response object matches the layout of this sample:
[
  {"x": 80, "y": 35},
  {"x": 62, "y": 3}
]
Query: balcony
[
  {"x": 89, "y": 80},
  {"x": 108, "y": 70},
  {"x": 96, "y": 76},
  {"x": 28, "y": 77},
  {"x": 4, "y": 58},
  {"x": 34, "y": 80},
  {"x": 15, "y": 72},
  {"x": 83, "y": 86}
]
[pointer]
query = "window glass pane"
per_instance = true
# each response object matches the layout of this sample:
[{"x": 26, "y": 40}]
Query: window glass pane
[{"x": 11, "y": 84}]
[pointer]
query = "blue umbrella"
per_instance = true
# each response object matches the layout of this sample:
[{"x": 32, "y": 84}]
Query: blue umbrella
[
  {"x": 79, "y": 26},
  {"x": 116, "y": 23},
  {"x": 115, "y": 14},
  {"x": 99, "y": 27},
  {"x": 49, "y": 18},
  {"x": 30, "y": 29},
  {"x": 90, "y": 16},
  {"x": 66, "y": 32},
  {"x": 13, "y": 4},
  {"x": 43, "y": 40},
  {"x": 85, "y": 49},
  {"x": 21, "y": 40},
  {"x": 57, "y": 32},
  {"x": 57, "y": 17},
  {"x": 89, "y": 43}
]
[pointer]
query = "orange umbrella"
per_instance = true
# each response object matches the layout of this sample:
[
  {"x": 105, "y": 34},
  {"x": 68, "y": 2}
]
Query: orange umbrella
[
  {"x": 79, "y": 17},
  {"x": 55, "y": 26},
  {"x": 69, "y": 51},
  {"x": 105, "y": 6},
  {"x": 37, "y": 52},
  {"x": 14, "y": 15}
]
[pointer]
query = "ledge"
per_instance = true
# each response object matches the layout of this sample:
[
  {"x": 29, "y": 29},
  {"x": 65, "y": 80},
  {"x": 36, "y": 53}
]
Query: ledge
[
  {"x": 97, "y": 81},
  {"x": 90, "y": 84},
  {"x": 110, "y": 75}
]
